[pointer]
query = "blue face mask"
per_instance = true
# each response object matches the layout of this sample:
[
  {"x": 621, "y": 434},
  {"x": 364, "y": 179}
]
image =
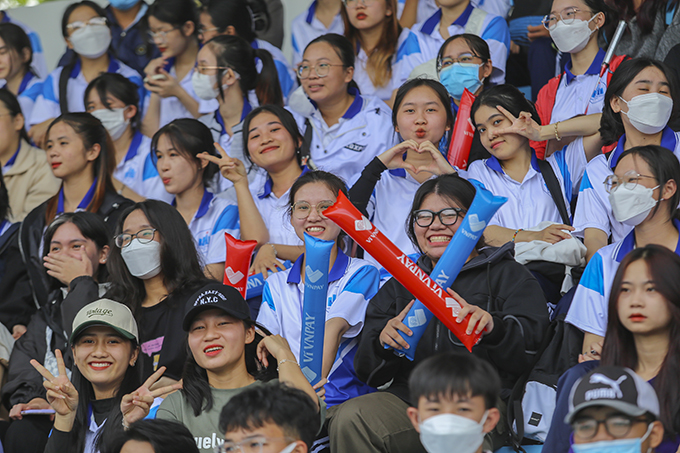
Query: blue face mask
[
  {"x": 614, "y": 446},
  {"x": 457, "y": 77},
  {"x": 123, "y": 5}
]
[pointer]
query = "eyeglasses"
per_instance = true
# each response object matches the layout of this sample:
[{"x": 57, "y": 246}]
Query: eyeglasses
[
  {"x": 302, "y": 209},
  {"x": 447, "y": 216},
  {"x": 203, "y": 69},
  {"x": 77, "y": 25},
  {"x": 161, "y": 35},
  {"x": 464, "y": 59},
  {"x": 567, "y": 15},
  {"x": 321, "y": 69},
  {"x": 629, "y": 180},
  {"x": 355, "y": 3},
  {"x": 253, "y": 445},
  {"x": 202, "y": 29},
  {"x": 617, "y": 426},
  {"x": 143, "y": 236}
]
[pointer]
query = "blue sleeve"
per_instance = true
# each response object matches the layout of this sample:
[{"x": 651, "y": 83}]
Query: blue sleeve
[
  {"x": 267, "y": 297},
  {"x": 36, "y": 45},
  {"x": 585, "y": 182},
  {"x": 48, "y": 90},
  {"x": 561, "y": 161},
  {"x": 498, "y": 31},
  {"x": 228, "y": 220},
  {"x": 284, "y": 77},
  {"x": 365, "y": 281},
  {"x": 593, "y": 276}
]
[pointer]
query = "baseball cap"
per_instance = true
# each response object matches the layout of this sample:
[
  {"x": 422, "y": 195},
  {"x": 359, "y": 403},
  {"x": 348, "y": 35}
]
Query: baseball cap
[
  {"x": 616, "y": 387},
  {"x": 216, "y": 295},
  {"x": 109, "y": 313}
]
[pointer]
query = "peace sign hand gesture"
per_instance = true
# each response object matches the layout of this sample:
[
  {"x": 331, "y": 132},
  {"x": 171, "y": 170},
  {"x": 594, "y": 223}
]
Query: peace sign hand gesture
[
  {"x": 136, "y": 405},
  {"x": 524, "y": 125},
  {"x": 61, "y": 394},
  {"x": 230, "y": 167}
]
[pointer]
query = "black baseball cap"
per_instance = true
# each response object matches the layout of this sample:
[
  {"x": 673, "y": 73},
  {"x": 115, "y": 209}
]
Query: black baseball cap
[
  {"x": 616, "y": 387},
  {"x": 216, "y": 295}
]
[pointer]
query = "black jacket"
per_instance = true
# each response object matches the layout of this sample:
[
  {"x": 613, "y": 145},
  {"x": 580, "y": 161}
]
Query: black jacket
[
  {"x": 31, "y": 235},
  {"x": 52, "y": 322},
  {"x": 494, "y": 281},
  {"x": 14, "y": 283}
]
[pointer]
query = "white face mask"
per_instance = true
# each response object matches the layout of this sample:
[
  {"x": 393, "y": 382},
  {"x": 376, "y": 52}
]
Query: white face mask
[
  {"x": 142, "y": 260},
  {"x": 448, "y": 432},
  {"x": 632, "y": 206},
  {"x": 649, "y": 113},
  {"x": 204, "y": 85},
  {"x": 113, "y": 120},
  {"x": 572, "y": 38},
  {"x": 91, "y": 41}
]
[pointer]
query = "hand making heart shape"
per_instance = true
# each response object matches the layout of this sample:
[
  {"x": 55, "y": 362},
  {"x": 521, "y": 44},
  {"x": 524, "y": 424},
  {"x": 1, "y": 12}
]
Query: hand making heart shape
[{"x": 394, "y": 158}]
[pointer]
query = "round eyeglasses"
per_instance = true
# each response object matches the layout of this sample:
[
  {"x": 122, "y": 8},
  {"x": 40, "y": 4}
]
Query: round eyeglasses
[
  {"x": 617, "y": 425},
  {"x": 143, "y": 236},
  {"x": 629, "y": 180},
  {"x": 302, "y": 209},
  {"x": 567, "y": 15},
  {"x": 447, "y": 216},
  {"x": 321, "y": 70}
]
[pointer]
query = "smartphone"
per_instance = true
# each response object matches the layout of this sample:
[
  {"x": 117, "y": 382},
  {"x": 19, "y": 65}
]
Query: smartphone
[
  {"x": 38, "y": 412},
  {"x": 155, "y": 77}
]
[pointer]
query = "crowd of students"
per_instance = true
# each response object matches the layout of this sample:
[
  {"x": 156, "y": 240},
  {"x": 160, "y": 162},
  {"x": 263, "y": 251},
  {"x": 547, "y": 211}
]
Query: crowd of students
[{"x": 169, "y": 125}]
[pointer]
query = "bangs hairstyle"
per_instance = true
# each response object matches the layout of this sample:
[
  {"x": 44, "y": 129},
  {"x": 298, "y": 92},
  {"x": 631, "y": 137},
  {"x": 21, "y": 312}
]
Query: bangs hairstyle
[
  {"x": 65, "y": 19},
  {"x": 196, "y": 389},
  {"x": 90, "y": 225},
  {"x": 174, "y": 12},
  {"x": 189, "y": 137},
  {"x": 287, "y": 121},
  {"x": 379, "y": 64},
  {"x": 663, "y": 266},
  {"x": 435, "y": 86},
  {"x": 508, "y": 97},
  {"x": 477, "y": 45},
  {"x": 91, "y": 132},
  {"x": 451, "y": 187},
  {"x": 18, "y": 41},
  {"x": 664, "y": 166},
  {"x": 343, "y": 49},
  {"x": 289, "y": 408},
  {"x": 236, "y": 53},
  {"x": 611, "y": 125},
  {"x": 455, "y": 374},
  {"x": 119, "y": 87},
  {"x": 179, "y": 259},
  {"x": 11, "y": 102},
  {"x": 234, "y": 13},
  {"x": 334, "y": 184}
]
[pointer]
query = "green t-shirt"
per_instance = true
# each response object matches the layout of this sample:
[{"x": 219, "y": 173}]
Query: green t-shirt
[{"x": 205, "y": 427}]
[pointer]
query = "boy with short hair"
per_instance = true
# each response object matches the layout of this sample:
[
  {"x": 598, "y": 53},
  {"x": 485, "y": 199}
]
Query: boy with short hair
[
  {"x": 456, "y": 397},
  {"x": 274, "y": 417}
]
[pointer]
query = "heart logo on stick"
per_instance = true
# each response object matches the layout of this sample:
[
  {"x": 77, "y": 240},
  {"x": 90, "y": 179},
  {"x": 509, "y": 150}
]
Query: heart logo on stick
[
  {"x": 476, "y": 224},
  {"x": 312, "y": 275},
  {"x": 233, "y": 277}
]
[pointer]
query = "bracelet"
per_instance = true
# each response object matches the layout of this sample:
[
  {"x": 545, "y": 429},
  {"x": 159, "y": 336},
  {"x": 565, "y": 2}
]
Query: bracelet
[
  {"x": 557, "y": 135},
  {"x": 281, "y": 362},
  {"x": 125, "y": 424},
  {"x": 276, "y": 254},
  {"x": 514, "y": 236}
]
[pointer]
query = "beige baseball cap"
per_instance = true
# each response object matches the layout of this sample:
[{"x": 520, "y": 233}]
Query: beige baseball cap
[{"x": 106, "y": 312}]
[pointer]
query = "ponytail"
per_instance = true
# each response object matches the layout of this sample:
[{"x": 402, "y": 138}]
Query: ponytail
[{"x": 267, "y": 86}]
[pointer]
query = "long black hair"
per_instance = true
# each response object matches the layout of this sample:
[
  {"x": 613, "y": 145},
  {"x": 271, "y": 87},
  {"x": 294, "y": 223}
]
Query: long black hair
[
  {"x": 5, "y": 209},
  {"x": 174, "y": 12},
  {"x": 235, "y": 13},
  {"x": 10, "y": 101},
  {"x": 17, "y": 40},
  {"x": 179, "y": 259}
]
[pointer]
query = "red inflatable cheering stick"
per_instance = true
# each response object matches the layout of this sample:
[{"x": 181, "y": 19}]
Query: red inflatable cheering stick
[
  {"x": 401, "y": 267},
  {"x": 238, "y": 263},
  {"x": 463, "y": 132}
]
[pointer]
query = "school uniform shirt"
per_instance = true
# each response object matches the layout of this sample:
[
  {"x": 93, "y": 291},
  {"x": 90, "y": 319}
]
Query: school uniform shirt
[
  {"x": 29, "y": 89},
  {"x": 38, "y": 63},
  {"x": 426, "y": 8},
  {"x": 138, "y": 172},
  {"x": 588, "y": 311},
  {"x": 306, "y": 27},
  {"x": 491, "y": 28},
  {"x": 287, "y": 76},
  {"x": 47, "y": 102},
  {"x": 413, "y": 49},
  {"x": 214, "y": 217},
  {"x": 344, "y": 149},
  {"x": 172, "y": 108},
  {"x": 593, "y": 209},
  {"x": 529, "y": 202},
  {"x": 352, "y": 282}
]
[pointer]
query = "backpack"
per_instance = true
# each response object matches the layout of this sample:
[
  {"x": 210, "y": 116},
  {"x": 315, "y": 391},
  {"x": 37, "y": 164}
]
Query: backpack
[{"x": 532, "y": 401}]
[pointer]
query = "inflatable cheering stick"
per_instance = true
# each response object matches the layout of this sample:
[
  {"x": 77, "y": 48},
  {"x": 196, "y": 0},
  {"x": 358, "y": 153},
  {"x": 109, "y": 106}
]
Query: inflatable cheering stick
[
  {"x": 463, "y": 132},
  {"x": 238, "y": 262},
  {"x": 317, "y": 260},
  {"x": 256, "y": 282},
  {"x": 483, "y": 207}
]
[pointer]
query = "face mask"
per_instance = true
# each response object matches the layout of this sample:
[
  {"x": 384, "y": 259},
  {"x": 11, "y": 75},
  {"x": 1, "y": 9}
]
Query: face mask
[
  {"x": 457, "y": 77},
  {"x": 289, "y": 448},
  {"x": 204, "y": 86},
  {"x": 614, "y": 446},
  {"x": 142, "y": 260},
  {"x": 440, "y": 433},
  {"x": 123, "y": 5},
  {"x": 113, "y": 120},
  {"x": 572, "y": 38},
  {"x": 632, "y": 206},
  {"x": 91, "y": 41},
  {"x": 649, "y": 113}
]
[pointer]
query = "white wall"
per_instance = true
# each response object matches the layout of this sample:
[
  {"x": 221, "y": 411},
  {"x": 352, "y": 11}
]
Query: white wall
[{"x": 46, "y": 20}]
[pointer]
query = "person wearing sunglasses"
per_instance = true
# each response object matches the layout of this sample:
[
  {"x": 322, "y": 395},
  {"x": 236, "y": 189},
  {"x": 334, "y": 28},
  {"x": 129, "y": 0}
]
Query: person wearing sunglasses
[
  {"x": 504, "y": 299},
  {"x": 351, "y": 284}
]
